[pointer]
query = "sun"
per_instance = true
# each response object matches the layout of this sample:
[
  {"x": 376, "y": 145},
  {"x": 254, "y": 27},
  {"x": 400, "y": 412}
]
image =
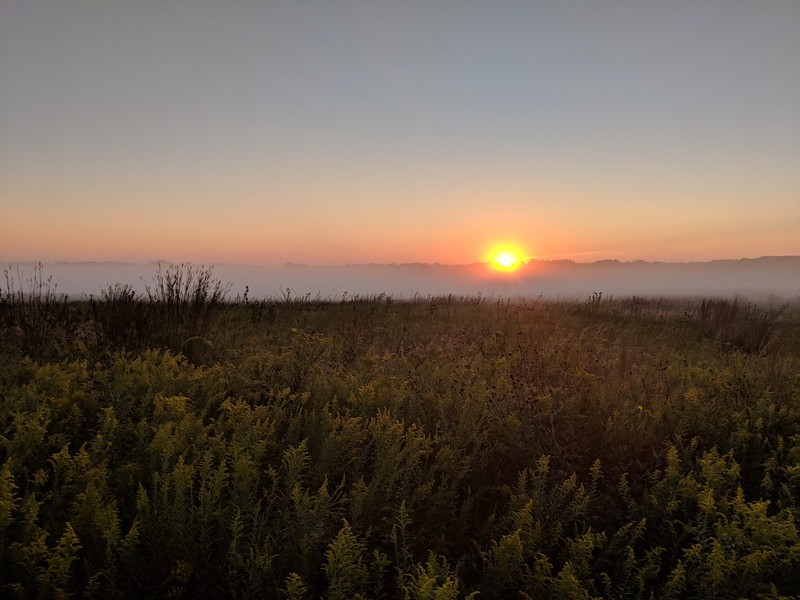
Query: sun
[{"x": 505, "y": 258}]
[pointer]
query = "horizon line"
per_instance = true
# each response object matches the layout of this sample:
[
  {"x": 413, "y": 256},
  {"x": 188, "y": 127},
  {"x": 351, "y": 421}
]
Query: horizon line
[{"x": 291, "y": 264}]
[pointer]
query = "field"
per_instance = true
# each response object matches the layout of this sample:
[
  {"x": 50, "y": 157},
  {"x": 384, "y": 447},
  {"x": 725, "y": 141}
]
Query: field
[{"x": 184, "y": 444}]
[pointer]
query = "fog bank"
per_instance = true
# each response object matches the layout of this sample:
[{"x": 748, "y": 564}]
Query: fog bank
[{"x": 758, "y": 279}]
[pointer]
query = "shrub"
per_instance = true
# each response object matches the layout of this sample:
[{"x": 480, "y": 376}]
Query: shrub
[
  {"x": 184, "y": 300},
  {"x": 120, "y": 317}
]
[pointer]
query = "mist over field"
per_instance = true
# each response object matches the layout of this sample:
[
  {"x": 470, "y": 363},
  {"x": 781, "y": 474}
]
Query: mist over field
[
  {"x": 764, "y": 278},
  {"x": 248, "y": 350}
]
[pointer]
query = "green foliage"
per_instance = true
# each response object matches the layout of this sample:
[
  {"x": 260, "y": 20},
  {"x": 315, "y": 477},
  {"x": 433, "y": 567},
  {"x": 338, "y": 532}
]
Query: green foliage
[
  {"x": 432, "y": 449},
  {"x": 433, "y": 580},
  {"x": 8, "y": 498},
  {"x": 295, "y": 588},
  {"x": 344, "y": 566}
]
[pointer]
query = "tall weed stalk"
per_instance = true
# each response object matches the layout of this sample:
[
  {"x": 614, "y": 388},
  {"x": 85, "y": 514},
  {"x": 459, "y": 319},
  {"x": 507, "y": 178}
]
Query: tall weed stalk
[
  {"x": 121, "y": 317},
  {"x": 30, "y": 308},
  {"x": 184, "y": 300}
]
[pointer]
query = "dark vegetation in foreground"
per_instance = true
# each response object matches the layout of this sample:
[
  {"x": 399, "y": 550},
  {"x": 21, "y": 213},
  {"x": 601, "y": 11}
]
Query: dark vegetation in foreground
[{"x": 372, "y": 448}]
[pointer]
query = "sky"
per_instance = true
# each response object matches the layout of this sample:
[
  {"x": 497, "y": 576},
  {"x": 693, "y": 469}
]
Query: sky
[{"x": 266, "y": 132}]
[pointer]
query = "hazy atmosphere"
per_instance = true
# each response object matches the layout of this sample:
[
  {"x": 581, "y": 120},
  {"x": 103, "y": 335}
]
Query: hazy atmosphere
[
  {"x": 261, "y": 133},
  {"x": 400, "y": 300},
  {"x": 769, "y": 279}
]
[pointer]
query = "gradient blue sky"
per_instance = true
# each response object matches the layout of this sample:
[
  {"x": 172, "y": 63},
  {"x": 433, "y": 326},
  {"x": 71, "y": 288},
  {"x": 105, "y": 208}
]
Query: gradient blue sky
[{"x": 355, "y": 131}]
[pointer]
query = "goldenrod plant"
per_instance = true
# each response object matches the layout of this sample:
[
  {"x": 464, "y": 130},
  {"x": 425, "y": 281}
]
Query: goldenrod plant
[{"x": 433, "y": 448}]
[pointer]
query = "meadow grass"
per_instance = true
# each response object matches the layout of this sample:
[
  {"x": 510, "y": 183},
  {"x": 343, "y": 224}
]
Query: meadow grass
[{"x": 369, "y": 447}]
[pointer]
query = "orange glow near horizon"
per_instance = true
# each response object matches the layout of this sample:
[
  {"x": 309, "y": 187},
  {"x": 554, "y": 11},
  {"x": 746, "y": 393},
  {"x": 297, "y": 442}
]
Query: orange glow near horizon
[{"x": 505, "y": 258}]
